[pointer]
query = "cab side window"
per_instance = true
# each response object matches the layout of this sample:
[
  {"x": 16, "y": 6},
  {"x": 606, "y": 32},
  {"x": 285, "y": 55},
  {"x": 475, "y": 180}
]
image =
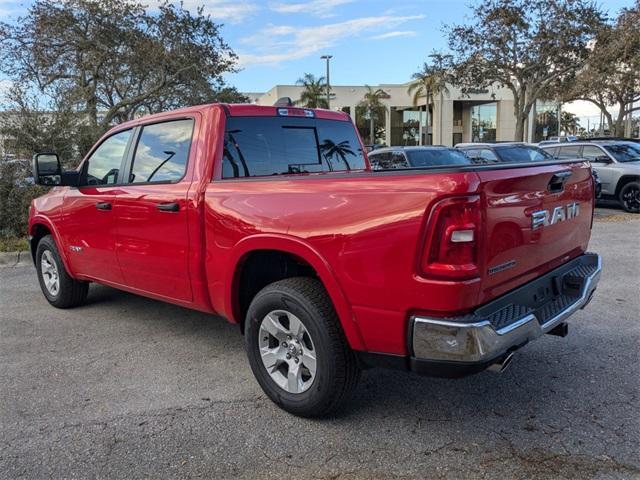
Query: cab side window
[
  {"x": 103, "y": 166},
  {"x": 162, "y": 152}
]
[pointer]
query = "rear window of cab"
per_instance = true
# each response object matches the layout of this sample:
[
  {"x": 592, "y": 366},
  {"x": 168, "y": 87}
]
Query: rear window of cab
[{"x": 266, "y": 146}]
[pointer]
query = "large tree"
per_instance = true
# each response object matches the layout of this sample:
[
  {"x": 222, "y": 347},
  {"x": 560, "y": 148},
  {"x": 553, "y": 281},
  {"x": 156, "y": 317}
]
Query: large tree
[
  {"x": 111, "y": 59},
  {"x": 611, "y": 77},
  {"x": 430, "y": 81},
  {"x": 526, "y": 46}
]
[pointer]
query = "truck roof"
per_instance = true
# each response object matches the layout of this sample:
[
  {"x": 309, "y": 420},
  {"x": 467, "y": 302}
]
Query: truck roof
[{"x": 246, "y": 110}]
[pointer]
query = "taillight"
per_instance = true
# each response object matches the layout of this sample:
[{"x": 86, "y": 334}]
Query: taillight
[{"x": 451, "y": 244}]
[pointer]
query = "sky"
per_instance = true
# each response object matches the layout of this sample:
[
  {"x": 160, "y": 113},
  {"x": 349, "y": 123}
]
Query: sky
[{"x": 371, "y": 41}]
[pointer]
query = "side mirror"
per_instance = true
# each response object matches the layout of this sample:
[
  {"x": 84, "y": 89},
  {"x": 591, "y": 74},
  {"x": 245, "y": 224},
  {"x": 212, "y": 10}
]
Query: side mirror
[
  {"x": 47, "y": 169},
  {"x": 602, "y": 159}
]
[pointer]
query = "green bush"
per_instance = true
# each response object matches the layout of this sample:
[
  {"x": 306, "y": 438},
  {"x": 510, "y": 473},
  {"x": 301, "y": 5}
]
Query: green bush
[{"x": 16, "y": 193}]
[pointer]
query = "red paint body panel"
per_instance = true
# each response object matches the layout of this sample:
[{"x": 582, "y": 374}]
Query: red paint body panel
[{"x": 363, "y": 232}]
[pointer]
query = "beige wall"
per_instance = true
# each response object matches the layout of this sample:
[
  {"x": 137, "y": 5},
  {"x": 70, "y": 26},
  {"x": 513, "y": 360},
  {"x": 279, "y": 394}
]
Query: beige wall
[{"x": 506, "y": 126}]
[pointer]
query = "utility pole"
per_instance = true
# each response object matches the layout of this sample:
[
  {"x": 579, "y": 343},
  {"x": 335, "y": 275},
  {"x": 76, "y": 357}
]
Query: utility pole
[{"x": 327, "y": 58}]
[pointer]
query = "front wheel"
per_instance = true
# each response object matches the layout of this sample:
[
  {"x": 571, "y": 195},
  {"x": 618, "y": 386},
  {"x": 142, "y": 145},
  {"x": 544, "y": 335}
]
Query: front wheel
[
  {"x": 58, "y": 287},
  {"x": 297, "y": 349},
  {"x": 630, "y": 197}
]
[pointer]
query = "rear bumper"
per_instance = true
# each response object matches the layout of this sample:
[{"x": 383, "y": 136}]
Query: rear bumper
[{"x": 463, "y": 345}]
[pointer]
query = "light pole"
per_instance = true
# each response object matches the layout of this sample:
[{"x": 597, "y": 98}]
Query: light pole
[{"x": 327, "y": 58}]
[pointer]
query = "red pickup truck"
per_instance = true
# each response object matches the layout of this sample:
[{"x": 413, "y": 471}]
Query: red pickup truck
[{"x": 272, "y": 218}]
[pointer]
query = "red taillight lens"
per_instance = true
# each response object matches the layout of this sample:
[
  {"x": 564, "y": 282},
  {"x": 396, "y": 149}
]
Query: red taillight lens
[{"x": 451, "y": 246}]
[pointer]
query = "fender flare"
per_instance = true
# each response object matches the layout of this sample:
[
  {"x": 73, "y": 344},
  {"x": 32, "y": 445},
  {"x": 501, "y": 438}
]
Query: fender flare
[
  {"x": 46, "y": 222},
  {"x": 299, "y": 248}
]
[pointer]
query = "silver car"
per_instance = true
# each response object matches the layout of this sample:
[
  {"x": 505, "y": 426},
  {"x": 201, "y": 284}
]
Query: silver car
[{"x": 617, "y": 164}]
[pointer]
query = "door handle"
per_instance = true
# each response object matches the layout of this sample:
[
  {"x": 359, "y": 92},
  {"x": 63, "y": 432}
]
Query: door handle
[
  {"x": 103, "y": 205},
  {"x": 168, "y": 207}
]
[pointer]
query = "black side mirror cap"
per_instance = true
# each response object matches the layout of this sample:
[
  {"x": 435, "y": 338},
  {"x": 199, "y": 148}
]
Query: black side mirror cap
[{"x": 70, "y": 178}]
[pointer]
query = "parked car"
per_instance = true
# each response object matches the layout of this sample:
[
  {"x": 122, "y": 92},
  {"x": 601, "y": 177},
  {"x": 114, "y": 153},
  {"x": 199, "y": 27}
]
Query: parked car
[
  {"x": 617, "y": 139},
  {"x": 416, "y": 157},
  {"x": 272, "y": 218},
  {"x": 617, "y": 164},
  {"x": 563, "y": 138},
  {"x": 508, "y": 152},
  {"x": 373, "y": 146},
  {"x": 19, "y": 169}
]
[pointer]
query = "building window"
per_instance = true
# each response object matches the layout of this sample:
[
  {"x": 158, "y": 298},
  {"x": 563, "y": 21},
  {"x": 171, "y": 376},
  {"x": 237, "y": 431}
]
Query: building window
[
  {"x": 405, "y": 126},
  {"x": 483, "y": 122}
]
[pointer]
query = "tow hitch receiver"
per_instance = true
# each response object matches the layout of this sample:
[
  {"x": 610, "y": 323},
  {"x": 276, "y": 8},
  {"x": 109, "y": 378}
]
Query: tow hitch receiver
[{"x": 561, "y": 330}]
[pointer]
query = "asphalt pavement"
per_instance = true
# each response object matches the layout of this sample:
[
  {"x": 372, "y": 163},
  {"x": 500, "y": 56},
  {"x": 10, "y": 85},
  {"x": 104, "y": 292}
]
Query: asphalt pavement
[{"x": 127, "y": 387}]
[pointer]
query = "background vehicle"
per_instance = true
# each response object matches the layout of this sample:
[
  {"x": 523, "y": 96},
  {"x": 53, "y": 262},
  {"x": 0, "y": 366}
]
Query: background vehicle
[
  {"x": 271, "y": 218},
  {"x": 513, "y": 152},
  {"x": 617, "y": 164},
  {"x": 374, "y": 146},
  {"x": 416, "y": 157}
]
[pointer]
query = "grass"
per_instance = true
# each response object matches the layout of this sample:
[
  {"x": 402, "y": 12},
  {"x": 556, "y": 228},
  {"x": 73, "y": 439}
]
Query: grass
[{"x": 13, "y": 244}]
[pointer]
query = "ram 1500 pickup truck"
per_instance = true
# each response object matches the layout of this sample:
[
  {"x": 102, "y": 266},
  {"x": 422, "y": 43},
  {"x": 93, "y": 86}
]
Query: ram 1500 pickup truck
[{"x": 272, "y": 218}]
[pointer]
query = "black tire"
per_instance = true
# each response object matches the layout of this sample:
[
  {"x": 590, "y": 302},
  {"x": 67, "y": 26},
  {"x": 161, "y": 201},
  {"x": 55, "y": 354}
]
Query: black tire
[
  {"x": 630, "y": 197},
  {"x": 71, "y": 292},
  {"x": 336, "y": 372}
]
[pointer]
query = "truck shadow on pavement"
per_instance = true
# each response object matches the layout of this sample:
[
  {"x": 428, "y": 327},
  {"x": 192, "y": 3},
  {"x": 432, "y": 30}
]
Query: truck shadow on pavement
[{"x": 546, "y": 378}]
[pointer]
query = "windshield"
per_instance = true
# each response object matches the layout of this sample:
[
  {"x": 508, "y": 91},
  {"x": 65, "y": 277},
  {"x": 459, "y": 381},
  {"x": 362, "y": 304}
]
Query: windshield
[
  {"x": 432, "y": 158},
  {"x": 522, "y": 154},
  {"x": 624, "y": 152}
]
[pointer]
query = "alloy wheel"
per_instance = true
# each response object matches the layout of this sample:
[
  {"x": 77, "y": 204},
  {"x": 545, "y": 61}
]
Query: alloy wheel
[
  {"x": 631, "y": 199},
  {"x": 287, "y": 351},
  {"x": 49, "y": 270}
]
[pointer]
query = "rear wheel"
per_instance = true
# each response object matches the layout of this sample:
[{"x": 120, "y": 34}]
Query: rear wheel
[
  {"x": 630, "y": 197},
  {"x": 297, "y": 350},
  {"x": 58, "y": 287}
]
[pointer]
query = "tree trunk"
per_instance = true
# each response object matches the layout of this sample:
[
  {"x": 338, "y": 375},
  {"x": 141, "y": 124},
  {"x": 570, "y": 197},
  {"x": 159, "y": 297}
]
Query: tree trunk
[
  {"x": 519, "y": 135},
  {"x": 371, "y": 133},
  {"x": 618, "y": 128}
]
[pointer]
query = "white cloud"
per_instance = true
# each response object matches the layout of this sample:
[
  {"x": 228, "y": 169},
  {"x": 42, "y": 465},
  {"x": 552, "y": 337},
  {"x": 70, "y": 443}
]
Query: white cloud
[
  {"x": 277, "y": 44},
  {"x": 320, "y": 8},
  {"x": 226, "y": 10},
  {"x": 395, "y": 34}
]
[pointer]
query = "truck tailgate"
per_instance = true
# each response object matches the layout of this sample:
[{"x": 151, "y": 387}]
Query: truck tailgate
[{"x": 535, "y": 218}]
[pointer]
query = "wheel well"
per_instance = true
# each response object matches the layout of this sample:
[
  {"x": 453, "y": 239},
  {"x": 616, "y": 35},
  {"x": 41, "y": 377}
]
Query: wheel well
[
  {"x": 39, "y": 231},
  {"x": 260, "y": 268},
  {"x": 623, "y": 181}
]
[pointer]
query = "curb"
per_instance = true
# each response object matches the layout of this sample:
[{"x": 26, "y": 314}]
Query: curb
[{"x": 14, "y": 259}]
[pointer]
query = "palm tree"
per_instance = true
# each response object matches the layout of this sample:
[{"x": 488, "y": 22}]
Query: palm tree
[
  {"x": 340, "y": 150},
  {"x": 372, "y": 103},
  {"x": 569, "y": 122},
  {"x": 429, "y": 81},
  {"x": 314, "y": 94}
]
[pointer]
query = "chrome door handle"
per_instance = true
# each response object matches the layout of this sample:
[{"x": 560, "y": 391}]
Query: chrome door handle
[{"x": 103, "y": 205}]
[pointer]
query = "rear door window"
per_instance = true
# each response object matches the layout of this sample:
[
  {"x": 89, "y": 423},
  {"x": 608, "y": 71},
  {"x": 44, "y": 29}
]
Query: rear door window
[
  {"x": 569, "y": 152},
  {"x": 591, "y": 153},
  {"x": 265, "y": 146},
  {"x": 436, "y": 158}
]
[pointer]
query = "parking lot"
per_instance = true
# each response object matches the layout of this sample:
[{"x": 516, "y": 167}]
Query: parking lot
[{"x": 127, "y": 387}]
